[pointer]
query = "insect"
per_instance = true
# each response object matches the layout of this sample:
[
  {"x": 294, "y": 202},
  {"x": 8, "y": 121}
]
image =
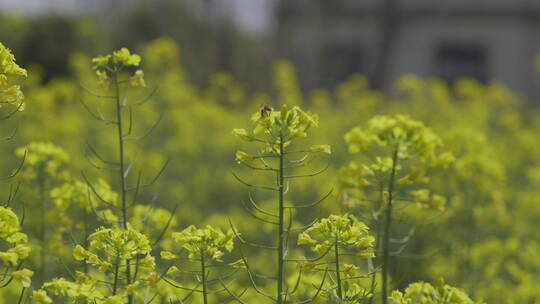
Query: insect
[{"x": 266, "y": 110}]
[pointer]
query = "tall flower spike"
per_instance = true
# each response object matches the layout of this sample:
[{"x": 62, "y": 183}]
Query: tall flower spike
[
  {"x": 400, "y": 150},
  {"x": 116, "y": 72},
  {"x": 277, "y": 131}
]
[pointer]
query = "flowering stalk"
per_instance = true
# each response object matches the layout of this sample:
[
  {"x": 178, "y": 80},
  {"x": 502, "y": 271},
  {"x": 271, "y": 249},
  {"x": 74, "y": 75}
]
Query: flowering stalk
[
  {"x": 125, "y": 268},
  {"x": 122, "y": 173},
  {"x": 276, "y": 131},
  {"x": 412, "y": 150},
  {"x": 11, "y": 260}
]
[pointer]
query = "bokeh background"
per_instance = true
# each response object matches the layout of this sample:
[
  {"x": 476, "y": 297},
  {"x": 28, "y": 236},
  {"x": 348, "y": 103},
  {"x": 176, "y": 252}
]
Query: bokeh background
[
  {"x": 326, "y": 40},
  {"x": 466, "y": 68}
]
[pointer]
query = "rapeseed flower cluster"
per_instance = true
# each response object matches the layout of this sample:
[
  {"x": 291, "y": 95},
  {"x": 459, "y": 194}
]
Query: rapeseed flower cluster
[
  {"x": 18, "y": 248},
  {"x": 10, "y": 90}
]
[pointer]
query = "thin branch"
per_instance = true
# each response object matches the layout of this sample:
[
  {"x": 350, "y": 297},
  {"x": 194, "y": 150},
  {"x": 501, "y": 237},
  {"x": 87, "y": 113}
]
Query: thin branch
[
  {"x": 93, "y": 93},
  {"x": 17, "y": 109},
  {"x": 253, "y": 186},
  {"x": 145, "y": 134},
  {"x": 18, "y": 169},
  {"x": 257, "y": 217},
  {"x": 308, "y": 175},
  {"x": 12, "y": 135},
  {"x": 89, "y": 184},
  {"x": 162, "y": 234},
  {"x": 314, "y": 203},
  {"x": 259, "y": 208},
  {"x": 99, "y": 156},
  {"x": 252, "y": 281},
  {"x": 237, "y": 235},
  {"x": 98, "y": 116},
  {"x": 156, "y": 177},
  {"x": 144, "y": 100}
]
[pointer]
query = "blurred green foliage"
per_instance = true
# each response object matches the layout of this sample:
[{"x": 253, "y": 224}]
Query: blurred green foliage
[{"x": 212, "y": 47}]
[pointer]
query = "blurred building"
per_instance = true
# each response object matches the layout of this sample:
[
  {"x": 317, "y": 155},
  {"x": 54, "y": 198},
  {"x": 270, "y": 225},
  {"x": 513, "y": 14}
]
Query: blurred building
[
  {"x": 38, "y": 7},
  {"x": 330, "y": 39},
  {"x": 484, "y": 39},
  {"x": 250, "y": 15}
]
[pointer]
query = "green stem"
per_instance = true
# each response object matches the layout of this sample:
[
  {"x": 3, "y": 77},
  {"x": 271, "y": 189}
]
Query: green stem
[
  {"x": 281, "y": 233},
  {"x": 115, "y": 282},
  {"x": 122, "y": 170},
  {"x": 43, "y": 226},
  {"x": 387, "y": 226},
  {"x": 85, "y": 240},
  {"x": 21, "y": 297},
  {"x": 120, "y": 150},
  {"x": 338, "y": 274},
  {"x": 203, "y": 270},
  {"x": 377, "y": 245}
]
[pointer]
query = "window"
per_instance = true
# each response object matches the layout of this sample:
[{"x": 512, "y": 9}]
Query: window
[{"x": 455, "y": 61}]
